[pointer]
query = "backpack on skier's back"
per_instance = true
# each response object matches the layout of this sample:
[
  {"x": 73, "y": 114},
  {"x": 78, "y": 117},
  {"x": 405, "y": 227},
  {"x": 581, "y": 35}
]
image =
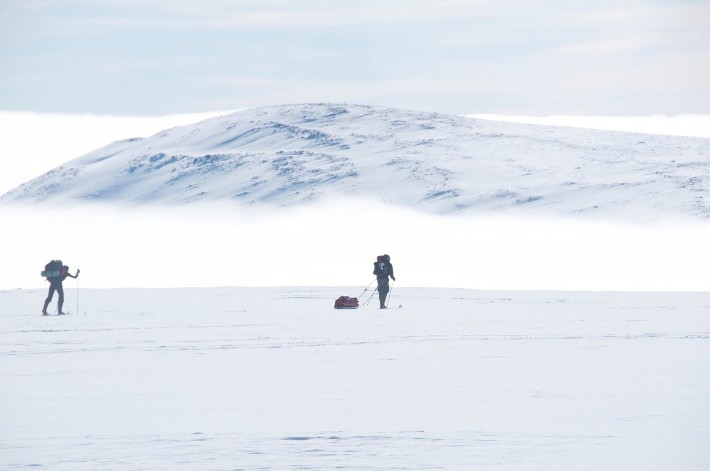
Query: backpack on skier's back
[
  {"x": 53, "y": 270},
  {"x": 382, "y": 266}
]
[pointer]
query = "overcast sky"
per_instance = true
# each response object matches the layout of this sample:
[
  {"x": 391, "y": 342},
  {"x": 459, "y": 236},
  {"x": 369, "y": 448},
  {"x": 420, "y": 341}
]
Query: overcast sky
[{"x": 532, "y": 57}]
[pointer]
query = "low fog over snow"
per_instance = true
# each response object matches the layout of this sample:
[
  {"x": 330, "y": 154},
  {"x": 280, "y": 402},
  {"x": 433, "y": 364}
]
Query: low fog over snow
[{"x": 335, "y": 245}]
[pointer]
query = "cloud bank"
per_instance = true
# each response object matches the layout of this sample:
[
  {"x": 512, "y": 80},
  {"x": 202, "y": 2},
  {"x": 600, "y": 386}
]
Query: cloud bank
[{"x": 335, "y": 245}]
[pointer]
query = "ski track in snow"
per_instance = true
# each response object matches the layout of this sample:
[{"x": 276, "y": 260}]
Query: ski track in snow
[{"x": 275, "y": 378}]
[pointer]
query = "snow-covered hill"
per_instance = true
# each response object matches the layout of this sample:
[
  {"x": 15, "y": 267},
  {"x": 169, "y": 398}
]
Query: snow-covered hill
[{"x": 293, "y": 154}]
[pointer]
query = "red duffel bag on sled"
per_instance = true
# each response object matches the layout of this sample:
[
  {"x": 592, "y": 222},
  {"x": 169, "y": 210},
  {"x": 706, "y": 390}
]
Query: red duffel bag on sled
[{"x": 346, "y": 302}]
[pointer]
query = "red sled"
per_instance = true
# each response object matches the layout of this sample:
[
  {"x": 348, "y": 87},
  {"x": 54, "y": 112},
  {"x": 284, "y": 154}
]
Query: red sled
[{"x": 346, "y": 302}]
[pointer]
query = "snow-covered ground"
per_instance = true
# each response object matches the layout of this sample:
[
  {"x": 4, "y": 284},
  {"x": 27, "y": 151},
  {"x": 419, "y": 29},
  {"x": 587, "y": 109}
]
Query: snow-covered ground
[{"x": 275, "y": 378}]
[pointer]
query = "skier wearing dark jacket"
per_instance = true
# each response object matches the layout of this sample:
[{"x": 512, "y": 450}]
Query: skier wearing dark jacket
[
  {"x": 55, "y": 284},
  {"x": 384, "y": 271}
]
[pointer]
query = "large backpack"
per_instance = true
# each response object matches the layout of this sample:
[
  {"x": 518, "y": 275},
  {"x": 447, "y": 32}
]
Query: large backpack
[
  {"x": 382, "y": 265},
  {"x": 53, "y": 270}
]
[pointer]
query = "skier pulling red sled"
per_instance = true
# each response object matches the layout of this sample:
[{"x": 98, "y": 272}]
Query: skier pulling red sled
[{"x": 383, "y": 272}]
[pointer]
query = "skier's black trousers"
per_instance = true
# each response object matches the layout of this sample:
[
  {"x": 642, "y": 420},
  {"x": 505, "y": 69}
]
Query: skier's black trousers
[
  {"x": 55, "y": 286},
  {"x": 383, "y": 287}
]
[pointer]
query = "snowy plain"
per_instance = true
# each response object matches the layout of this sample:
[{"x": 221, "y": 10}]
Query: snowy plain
[{"x": 275, "y": 378}]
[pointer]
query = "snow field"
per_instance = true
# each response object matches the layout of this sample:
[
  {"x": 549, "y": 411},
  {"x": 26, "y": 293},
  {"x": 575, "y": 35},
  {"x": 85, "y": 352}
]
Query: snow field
[{"x": 275, "y": 378}]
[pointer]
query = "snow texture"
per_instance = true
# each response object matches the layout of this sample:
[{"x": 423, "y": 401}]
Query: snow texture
[
  {"x": 275, "y": 378},
  {"x": 296, "y": 154}
]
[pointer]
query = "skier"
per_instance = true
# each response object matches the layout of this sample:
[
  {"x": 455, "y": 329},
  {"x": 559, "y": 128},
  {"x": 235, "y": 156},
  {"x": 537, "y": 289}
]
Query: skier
[
  {"x": 384, "y": 271},
  {"x": 55, "y": 284}
]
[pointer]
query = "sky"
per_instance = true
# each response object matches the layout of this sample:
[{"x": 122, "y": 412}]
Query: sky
[{"x": 519, "y": 57}]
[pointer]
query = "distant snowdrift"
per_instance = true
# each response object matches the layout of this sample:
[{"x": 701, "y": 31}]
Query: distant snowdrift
[
  {"x": 335, "y": 245},
  {"x": 283, "y": 156}
]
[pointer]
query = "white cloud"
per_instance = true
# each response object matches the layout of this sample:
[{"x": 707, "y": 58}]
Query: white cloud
[
  {"x": 188, "y": 15},
  {"x": 608, "y": 46}
]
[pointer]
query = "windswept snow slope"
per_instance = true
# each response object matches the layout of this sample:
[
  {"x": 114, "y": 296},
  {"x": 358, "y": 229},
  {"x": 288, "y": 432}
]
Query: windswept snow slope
[
  {"x": 294, "y": 154},
  {"x": 275, "y": 378}
]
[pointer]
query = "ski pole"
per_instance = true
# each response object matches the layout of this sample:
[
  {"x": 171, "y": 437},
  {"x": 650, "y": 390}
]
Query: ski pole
[
  {"x": 389, "y": 295},
  {"x": 368, "y": 299},
  {"x": 368, "y": 286}
]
